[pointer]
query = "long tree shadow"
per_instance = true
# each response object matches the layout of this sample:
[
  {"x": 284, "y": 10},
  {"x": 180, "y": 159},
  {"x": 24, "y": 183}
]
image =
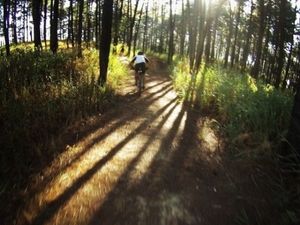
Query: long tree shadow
[
  {"x": 145, "y": 104},
  {"x": 52, "y": 207},
  {"x": 152, "y": 184},
  {"x": 124, "y": 179}
]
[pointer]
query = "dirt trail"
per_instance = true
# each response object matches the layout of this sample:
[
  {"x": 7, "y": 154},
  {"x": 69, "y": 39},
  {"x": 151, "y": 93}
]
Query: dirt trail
[{"x": 142, "y": 163}]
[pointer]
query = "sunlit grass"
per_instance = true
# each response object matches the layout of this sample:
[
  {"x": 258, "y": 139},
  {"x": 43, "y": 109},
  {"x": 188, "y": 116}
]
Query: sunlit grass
[
  {"x": 243, "y": 104},
  {"x": 41, "y": 94}
]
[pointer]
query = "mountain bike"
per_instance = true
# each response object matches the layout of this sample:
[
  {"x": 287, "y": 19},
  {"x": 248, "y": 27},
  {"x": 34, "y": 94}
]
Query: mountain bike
[{"x": 140, "y": 80}]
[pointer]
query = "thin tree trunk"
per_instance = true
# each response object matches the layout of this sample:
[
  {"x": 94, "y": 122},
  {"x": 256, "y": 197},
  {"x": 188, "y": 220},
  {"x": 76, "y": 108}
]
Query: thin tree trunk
[
  {"x": 288, "y": 65},
  {"x": 45, "y": 23},
  {"x": 137, "y": 30},
  {"x": 14, "y": 24},
  {"x": 256, "y": 67},
  {"x": 161, "y": 38},
  {"x": 70, "y": 25},
  {"x": 171, "y": 35},
  {"x": 203, "y": 29},
  {"x": 213, "y": 46},
  {"x": 193, "y": 28},
  {"x": 248, "y": 37},
  {"x": 182, "y": 30},
  {"x": 118, "y": 18},
  {"x": 237, "y": 22},
  {"x": 145, "y": 37},
  {"x": 228, "y": 40},
  {"x": 6, "y": 25},
  {"x": 79, "y": 32},
  {"x": 97, "y": 16},
  {"x": 281, "y": 56},
  {"x": 132, "y": 27},
  {"x": 24, "y": 20},
  {"x": 105, "y": 40},
  {"x": 88, "y": 18},
  {"x": 36, "y": 14},
  {"x": 54, "y": 26}
]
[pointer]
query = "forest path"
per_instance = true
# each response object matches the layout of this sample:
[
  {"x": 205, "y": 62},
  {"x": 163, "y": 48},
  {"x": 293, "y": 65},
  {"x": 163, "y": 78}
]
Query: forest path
[{"x": 142, "y": 162}]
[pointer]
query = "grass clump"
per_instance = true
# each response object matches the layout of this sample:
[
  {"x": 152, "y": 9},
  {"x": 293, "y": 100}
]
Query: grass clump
[
  {"x": 242, "y": 104},
  {"x": 254, "y": 117},
  {"x": 40, "y": 95}
]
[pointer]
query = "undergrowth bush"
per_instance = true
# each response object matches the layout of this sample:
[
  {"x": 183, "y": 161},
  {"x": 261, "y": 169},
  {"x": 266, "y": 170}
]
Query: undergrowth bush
[
  {"x": 41, "y": 94},
  {"x": 243, "y": 104},
  {"x": 254, "y": 116}
]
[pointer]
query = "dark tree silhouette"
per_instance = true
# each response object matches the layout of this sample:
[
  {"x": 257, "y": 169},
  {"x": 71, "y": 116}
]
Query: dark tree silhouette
[
  {"x": 6, "y": 25},
  {"x": 54, "y": 26},
  {"x": 36, "y": 14},
  {"x": 105, "y": 40},
  {"x": 79, "y": 32}
]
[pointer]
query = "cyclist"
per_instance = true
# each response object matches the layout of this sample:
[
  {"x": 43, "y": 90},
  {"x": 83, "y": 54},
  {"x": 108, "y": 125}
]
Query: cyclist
[{"x": 139, "y": 61}]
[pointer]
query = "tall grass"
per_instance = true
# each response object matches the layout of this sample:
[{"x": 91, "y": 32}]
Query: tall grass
[
  {"x": 253, "y": 116},
  {"x": 243, "y": 105},
  {"x": 40, "y": 95}
]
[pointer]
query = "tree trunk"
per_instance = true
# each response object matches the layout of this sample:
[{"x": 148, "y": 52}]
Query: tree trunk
[
  {"x": 88, "y": 22},
  {"x": 237, "y": 22},
  {"x": 14, "y": 24},
  {"x": 70, "y": 25},
  {"x": 288, "y": 65},
  {"x": 105, "y": 40},
  {"x": 97, "y": 19},
  {"x": 6, "y": 25},
  {"x": 45, "y": 23},
  {"x": 228, "y": 40},
  {"x": 137, "y": 30},
  {"x": 54, "y": 26},
  {"x": 36, "y": 14},
  {"x": 118, "y": 18},
  {"x": 24, "y": 21},
  {"x": 132, "y": 27},
  {"x": 213, "y": 46},
  {"x": 171, "y": 35},
  {"x": 259, "y": 44},
  {"x": 182, "y": 30},
  {"x": 161, "y": 38},
  {"x": 248, "y": 37},
  {"x": 193, "y": 28},
  {"x": 79, "y": 32},
  {"x": 145, "y": 37},
  {"x": 281, "y": 56}
]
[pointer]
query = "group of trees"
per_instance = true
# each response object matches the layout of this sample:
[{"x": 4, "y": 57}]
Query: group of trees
[
  {"x": 259, "y": 36},
  {"x": 255, "y": 35}
]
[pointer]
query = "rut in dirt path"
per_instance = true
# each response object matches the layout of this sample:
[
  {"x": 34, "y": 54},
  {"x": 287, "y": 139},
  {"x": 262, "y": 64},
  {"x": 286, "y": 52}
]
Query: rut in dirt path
[{"x": 140, "y": 163}]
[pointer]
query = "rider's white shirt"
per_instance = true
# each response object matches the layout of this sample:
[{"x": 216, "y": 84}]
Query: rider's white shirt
[{"x": 139, "y": 59}]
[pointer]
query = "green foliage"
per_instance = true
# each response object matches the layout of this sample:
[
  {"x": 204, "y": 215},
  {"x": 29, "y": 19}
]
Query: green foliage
[
  {"x": 252, "y": 113},
  {"x": 41, "y": 94},
  {"x": 162, "y": 56},
  {"x": 117, "y": 71},
  {"x": 243, "y": 105}
]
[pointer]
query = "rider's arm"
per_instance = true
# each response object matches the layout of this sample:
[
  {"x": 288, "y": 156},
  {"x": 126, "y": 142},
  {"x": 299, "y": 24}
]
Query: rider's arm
[
  {"x": 147, "y": 60},
  {"x": 132, "y": 61}
]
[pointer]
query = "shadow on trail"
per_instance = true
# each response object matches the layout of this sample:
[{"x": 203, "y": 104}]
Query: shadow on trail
[
  {"x": 53, "y": 207},
  {"x": 144, "y": 104},
  {"x": 155, "y": 198}
]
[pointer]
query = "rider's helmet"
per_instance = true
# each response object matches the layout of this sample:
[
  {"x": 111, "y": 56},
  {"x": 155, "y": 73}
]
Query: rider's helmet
[{"x": 140, "y": 53}]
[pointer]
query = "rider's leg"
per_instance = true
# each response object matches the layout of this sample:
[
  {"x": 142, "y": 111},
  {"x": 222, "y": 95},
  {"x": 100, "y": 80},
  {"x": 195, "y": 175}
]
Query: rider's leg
[
  {"x": 136, "y": 68},
  {"x": 143, "y": 80},
  {"x": 143, "y": 75},
  {"x": 136, "y": 77}
]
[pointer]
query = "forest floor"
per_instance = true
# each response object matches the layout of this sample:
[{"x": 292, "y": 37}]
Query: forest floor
[{"x": 148, "y": 160}]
